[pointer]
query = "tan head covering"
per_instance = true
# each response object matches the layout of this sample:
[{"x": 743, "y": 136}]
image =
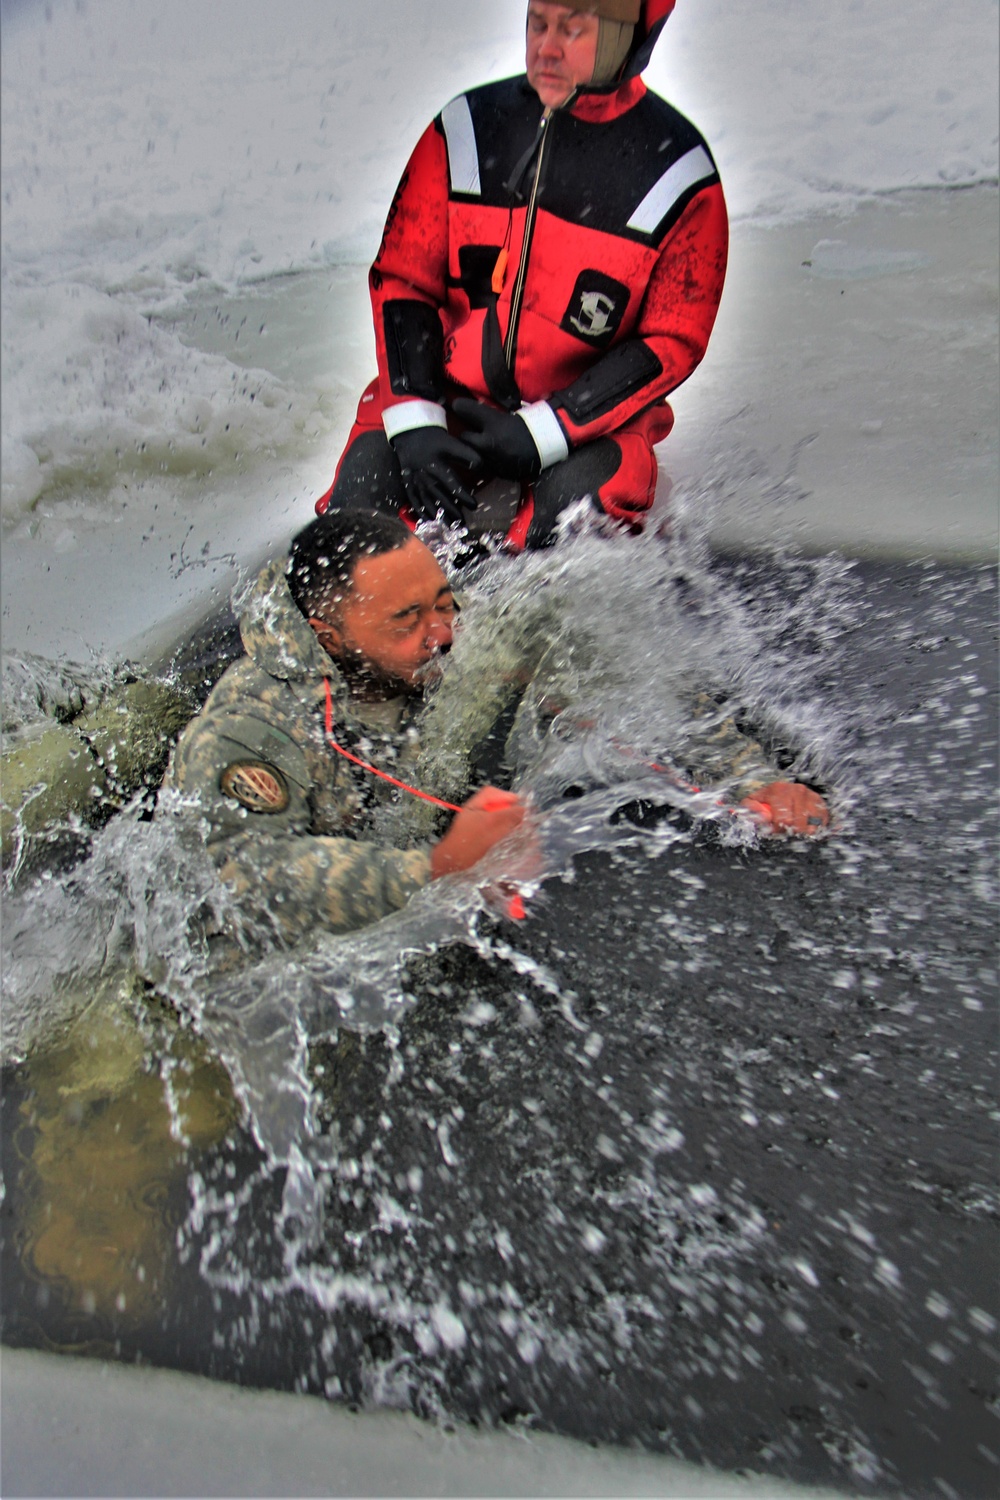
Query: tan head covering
[
  {"x": 618, "y": 20},
  {"x": 614, "y": 39},
  {"x": 609, "y": 10}
]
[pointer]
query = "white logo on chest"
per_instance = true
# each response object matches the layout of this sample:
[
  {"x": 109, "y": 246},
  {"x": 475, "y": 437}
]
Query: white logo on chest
[{"x": 596, "y": 308}]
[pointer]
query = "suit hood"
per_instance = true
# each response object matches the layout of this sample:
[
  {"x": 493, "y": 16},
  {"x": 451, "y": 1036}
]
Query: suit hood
[{"x": 651, "y": 22}]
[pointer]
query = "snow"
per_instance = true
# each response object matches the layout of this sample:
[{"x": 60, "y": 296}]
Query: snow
[
  {"x": 147, "y": 146},
  {"x": 151, "y": 150},
  {"x": 104, "y": 1430},
  {"x": 843, "y": 262}
]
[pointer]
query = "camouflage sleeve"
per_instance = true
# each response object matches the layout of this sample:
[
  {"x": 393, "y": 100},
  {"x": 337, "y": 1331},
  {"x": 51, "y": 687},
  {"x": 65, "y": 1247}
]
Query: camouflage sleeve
[
  {"x": 290, "y": 886},
  {"x": 244, "y": 770},
  {"x": 718, "y": 754},
  {"x": 252, "y": 783}
]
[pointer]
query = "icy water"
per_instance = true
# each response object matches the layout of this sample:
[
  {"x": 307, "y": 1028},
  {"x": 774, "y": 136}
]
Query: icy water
[{"x": 699, "y": 1156}]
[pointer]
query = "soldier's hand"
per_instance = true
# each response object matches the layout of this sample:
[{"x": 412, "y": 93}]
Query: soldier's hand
[
  {"x": 788, "y": 807},
  {"x": 427, "y": 459},
  {"x": 483, "y": 821}
]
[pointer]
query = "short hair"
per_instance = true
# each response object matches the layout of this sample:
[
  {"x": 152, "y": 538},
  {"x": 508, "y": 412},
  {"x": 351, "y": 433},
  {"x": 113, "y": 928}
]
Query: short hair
[{"x": 324, "y": 554}]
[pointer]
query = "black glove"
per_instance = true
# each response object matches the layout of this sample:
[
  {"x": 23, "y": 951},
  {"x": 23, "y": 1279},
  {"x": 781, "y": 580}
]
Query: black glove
[
  {"x": 426, "y": 459},
  {"x": 500, "y": 438},
  {"x": 545, "y": 519}
]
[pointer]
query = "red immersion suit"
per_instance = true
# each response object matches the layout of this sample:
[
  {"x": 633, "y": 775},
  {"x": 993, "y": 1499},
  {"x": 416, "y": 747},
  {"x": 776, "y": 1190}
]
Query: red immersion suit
[{"x": 567, "y": 267}]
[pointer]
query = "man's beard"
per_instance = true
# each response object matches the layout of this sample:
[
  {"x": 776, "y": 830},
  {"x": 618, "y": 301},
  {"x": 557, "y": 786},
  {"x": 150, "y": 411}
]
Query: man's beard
[{"x": 373, "y": 684}]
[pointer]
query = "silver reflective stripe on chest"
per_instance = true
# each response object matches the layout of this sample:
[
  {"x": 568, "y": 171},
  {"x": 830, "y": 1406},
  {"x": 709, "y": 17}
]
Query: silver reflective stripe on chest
[
  {"x": 695, "y": 166},
  {"x": 463, "y": 157}
]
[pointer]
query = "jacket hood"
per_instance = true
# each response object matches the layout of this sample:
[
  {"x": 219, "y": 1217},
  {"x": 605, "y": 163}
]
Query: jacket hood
[
  {"x": 651, "y": 22},
  {"x": 275, "y": 633}
]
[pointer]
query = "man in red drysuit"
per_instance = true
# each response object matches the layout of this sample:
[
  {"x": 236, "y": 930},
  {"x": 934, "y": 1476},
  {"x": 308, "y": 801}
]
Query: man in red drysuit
[{"x": 550, "y": 270}]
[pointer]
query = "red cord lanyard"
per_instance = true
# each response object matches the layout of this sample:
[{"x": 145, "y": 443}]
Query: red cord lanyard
[
  {"x": 404, "y": 786},
  {"x": 679, "y": 781},
  {"x": 374, "y": 770}
]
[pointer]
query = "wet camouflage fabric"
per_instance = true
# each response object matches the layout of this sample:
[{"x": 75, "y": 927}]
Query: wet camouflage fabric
[
  {"x": 310, "y": 862},
  {"x": 523, "y": 652},
  {"x": 344, "y": 849}
]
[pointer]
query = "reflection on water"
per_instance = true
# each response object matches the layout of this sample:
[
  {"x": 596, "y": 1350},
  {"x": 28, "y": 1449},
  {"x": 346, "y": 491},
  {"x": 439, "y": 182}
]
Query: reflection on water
[
  {"x": 697, "y": 1156},
  {"x": 104, "y": 1124}
]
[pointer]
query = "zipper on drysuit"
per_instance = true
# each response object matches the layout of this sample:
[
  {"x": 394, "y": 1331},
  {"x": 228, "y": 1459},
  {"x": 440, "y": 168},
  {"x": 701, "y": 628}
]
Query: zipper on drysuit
[{"x": 510, "y": 342}]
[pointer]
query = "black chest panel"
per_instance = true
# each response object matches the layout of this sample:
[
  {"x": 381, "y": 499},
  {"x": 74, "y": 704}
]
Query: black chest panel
[{"x": 593, "y": 175}]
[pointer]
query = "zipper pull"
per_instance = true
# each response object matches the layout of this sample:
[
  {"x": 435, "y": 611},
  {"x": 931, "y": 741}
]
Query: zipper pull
[{"x": 500, "y": 271}]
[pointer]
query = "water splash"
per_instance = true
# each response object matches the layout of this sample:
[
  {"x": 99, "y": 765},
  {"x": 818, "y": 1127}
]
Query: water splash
[
  {"x": 506, "y": 1168},
  {"x": 34, "y": 690},
  {"x": 632, "y": 624}
]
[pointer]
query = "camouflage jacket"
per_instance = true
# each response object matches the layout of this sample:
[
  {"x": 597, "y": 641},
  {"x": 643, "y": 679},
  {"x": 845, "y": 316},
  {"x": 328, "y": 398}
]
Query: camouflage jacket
[
  {"x": 289, "y": 819},
  {"x": 524, "y": 661},
  {"x": 306, "y": 840}
]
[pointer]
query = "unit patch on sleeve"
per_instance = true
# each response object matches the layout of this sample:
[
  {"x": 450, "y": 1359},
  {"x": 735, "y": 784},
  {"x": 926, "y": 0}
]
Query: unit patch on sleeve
[
  {"x": 257, "y": 786},
  {"x": 596, "y": 308}
]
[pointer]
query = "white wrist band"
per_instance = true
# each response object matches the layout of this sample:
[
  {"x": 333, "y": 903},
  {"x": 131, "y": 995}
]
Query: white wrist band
[
  {"x": 410, "y": 414},
  {"x": 549, "y": 438}
]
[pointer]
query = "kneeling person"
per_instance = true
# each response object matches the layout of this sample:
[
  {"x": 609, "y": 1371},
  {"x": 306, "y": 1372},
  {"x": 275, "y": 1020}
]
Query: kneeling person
[
  {"x": 550, "y": 271},
  {"x": 340, "y": 643}
]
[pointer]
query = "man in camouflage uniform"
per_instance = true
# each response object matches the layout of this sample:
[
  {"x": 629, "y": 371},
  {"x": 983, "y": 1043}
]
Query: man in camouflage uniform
[
  {"x": 343, "y": 644},
  {"x": 362, "y": 614}
]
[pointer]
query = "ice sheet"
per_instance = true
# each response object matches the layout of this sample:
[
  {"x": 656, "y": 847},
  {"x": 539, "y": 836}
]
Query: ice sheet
[
  {"x": 147, "y": 150},
  {"x": 102, "y": 1430},
  {"x": 854, "y": 412}
]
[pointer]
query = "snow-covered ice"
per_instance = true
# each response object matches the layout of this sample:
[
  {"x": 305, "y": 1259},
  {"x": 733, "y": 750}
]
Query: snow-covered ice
[
  {"x": 210, "y": 1438},
  {"x": 150, "y": 152}
]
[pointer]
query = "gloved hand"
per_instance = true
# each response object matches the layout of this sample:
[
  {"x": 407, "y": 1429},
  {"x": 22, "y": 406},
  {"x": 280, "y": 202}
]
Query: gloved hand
[
  {"x": 544, "y": 520},
  {"x": 427, "y": 456},
  {"x": 500, "y": 438}
]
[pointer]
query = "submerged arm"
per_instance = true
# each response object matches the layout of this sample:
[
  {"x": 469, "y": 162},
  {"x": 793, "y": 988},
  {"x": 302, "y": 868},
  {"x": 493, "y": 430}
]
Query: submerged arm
[
  {"x": 496, "y": 653},
  {"x": 720, "y": 752}
]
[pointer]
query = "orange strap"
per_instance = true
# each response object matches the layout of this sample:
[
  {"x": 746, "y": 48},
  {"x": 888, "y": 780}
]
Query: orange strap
[{"x": 374, "y": 770}]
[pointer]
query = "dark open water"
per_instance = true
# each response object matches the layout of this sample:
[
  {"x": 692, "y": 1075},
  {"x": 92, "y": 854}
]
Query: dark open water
[{"x": 727, "y": 1188}]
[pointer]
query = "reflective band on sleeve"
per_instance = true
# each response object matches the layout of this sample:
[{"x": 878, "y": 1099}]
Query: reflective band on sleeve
[
  {"x": 410, "y": 414},
  {"x": 547, "y": 434},
  {"x": 463, "y": 155},
  {"x": 696, "y": 166}
]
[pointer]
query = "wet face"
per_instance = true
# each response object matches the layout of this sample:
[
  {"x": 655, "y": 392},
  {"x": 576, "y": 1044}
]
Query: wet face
[
  {"x": 561, "y": 50},
  {"x": 388, "y": 633}
]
